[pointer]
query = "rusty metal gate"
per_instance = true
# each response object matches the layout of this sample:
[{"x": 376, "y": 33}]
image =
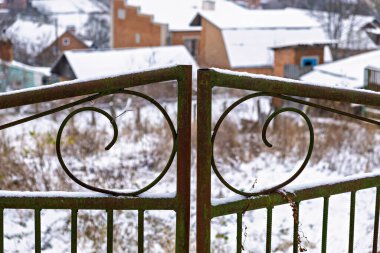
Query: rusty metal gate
[
  {"x": 270, "y": 197},
  {"x": 207, "y": 208}
]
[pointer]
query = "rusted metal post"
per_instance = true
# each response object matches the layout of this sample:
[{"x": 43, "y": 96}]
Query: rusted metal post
[
  {"x": 376, "y": 221},
  {"x": 204, "y": 162},
  {"x": 74, "y": 228},
  {"x": 183, "y": 158},
  {"x": 1, "y": 230},
  {"x": 140, "y": 240}
]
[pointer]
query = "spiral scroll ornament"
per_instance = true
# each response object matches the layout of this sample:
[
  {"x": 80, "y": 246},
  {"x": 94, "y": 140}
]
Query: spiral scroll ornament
[
  {"x": 113, "y": 141},
  {"x": 273, "y": 188}
]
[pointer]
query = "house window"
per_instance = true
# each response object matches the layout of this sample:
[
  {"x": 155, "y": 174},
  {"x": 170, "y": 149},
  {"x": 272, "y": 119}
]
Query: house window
[
  {"x": 309, "y": 61},
  {"x": 192, "y": 46},
  {"x": 121, "y": 14},
  {"x": 137, "y": 38},
  {"x": 66, "y": 41}
]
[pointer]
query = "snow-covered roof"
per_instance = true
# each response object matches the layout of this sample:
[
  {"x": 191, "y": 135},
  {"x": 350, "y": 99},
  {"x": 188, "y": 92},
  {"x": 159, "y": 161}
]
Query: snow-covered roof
[
  {"x": 41, "y": 70},
  {"x": 348, "y": 72},
  {"x": 373, "y": 31},
  {"x": 178, "y": 13},
  {"x": 252, "y": 47},
  {"x": 249, "y": 35},
  {"x": 260, "y": 19},
  {"x": 33, "y": 36},
  {"x": 94, "y": 63}
]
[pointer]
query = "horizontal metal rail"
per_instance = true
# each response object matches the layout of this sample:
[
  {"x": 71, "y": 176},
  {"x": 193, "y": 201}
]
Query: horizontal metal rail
[
  {"x": 276, "y": 85},
  {"x": 104, "y": 85},
  {"x": 77, "y": 200},
  {"x": 221, "y": 207}
]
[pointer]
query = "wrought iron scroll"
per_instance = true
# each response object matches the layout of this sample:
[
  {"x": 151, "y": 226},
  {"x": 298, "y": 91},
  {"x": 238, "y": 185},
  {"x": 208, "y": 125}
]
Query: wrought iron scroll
[
  {"x": 112, "y": 142},
  {"x": 272, "y": 189}
]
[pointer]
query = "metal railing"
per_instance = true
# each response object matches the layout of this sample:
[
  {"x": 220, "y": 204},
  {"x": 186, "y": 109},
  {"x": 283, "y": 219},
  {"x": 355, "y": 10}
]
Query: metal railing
[
  {"x": 373, "y": 78},
  {"x": 271, "y": 196},
  {"x": 207, "y": 208},
  {"x": 105, "y": 199}
]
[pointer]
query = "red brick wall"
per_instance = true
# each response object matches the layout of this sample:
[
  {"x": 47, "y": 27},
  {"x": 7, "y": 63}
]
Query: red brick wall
[
  {"x": 6, "y": 51},
  {"x": 49, "y": 55},
  {"x": 293, "y": 55},
  {"x": 212, "y": 49},
  {"x": 309, "y": 51},
  {"x": 125, "y": 30},
  {"x": 264, "y": 71},
  {"x": 16, "y": 4},
  {"x": 178, "y": 38},
  {"x": 281, "y": 58}
]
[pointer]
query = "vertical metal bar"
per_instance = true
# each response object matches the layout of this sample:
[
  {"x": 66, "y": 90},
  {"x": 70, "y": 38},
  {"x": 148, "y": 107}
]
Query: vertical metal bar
[
  {"x": 239, "y": 232},
  {"x": 295, "y": 228},
  {"x": 376, "y": 222},
  {"x": 109, "y": 231},
  {"x": 204, "y": 161},
  {"x": 141, "y": 231},
  {"x": 37, "y": 230},
  {"x": 1, "y": 230},
  {"x": 183, "y": 159},
  {"x": 74, "y": 228},
  {"x": 269, "y": 229},
  {"x": 352, "y": 223},
  {"x": 325, "y": 220}
]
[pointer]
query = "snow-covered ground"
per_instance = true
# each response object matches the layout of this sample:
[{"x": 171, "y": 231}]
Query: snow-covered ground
[{"x": 139, "y": 154}]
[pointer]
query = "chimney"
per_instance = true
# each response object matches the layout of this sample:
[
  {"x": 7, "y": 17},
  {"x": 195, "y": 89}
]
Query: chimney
[
  {"x": 208, "y": 5},
  {"x": 70, "y": 28},
  {"x": 6, "y": 50}
]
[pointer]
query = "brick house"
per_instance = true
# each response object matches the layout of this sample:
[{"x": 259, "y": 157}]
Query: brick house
[
  {"x": 41, "y": 42},
  {"x": 260, "y": 41},
  {"x": 292, "y": 61},
  {"x": 141, "y": 23},
  {"x": 66, "y": 41}
]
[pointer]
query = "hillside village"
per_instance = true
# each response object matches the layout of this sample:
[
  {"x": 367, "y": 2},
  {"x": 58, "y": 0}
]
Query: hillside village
[{"x": 40, "y": 38}]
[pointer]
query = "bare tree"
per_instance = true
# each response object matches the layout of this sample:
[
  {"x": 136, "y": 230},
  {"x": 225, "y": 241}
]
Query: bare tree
[
  {"x": 97, "y": 29},
  {"x": 375, "y": 7},
  {"x": 341, "y": 21}
]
